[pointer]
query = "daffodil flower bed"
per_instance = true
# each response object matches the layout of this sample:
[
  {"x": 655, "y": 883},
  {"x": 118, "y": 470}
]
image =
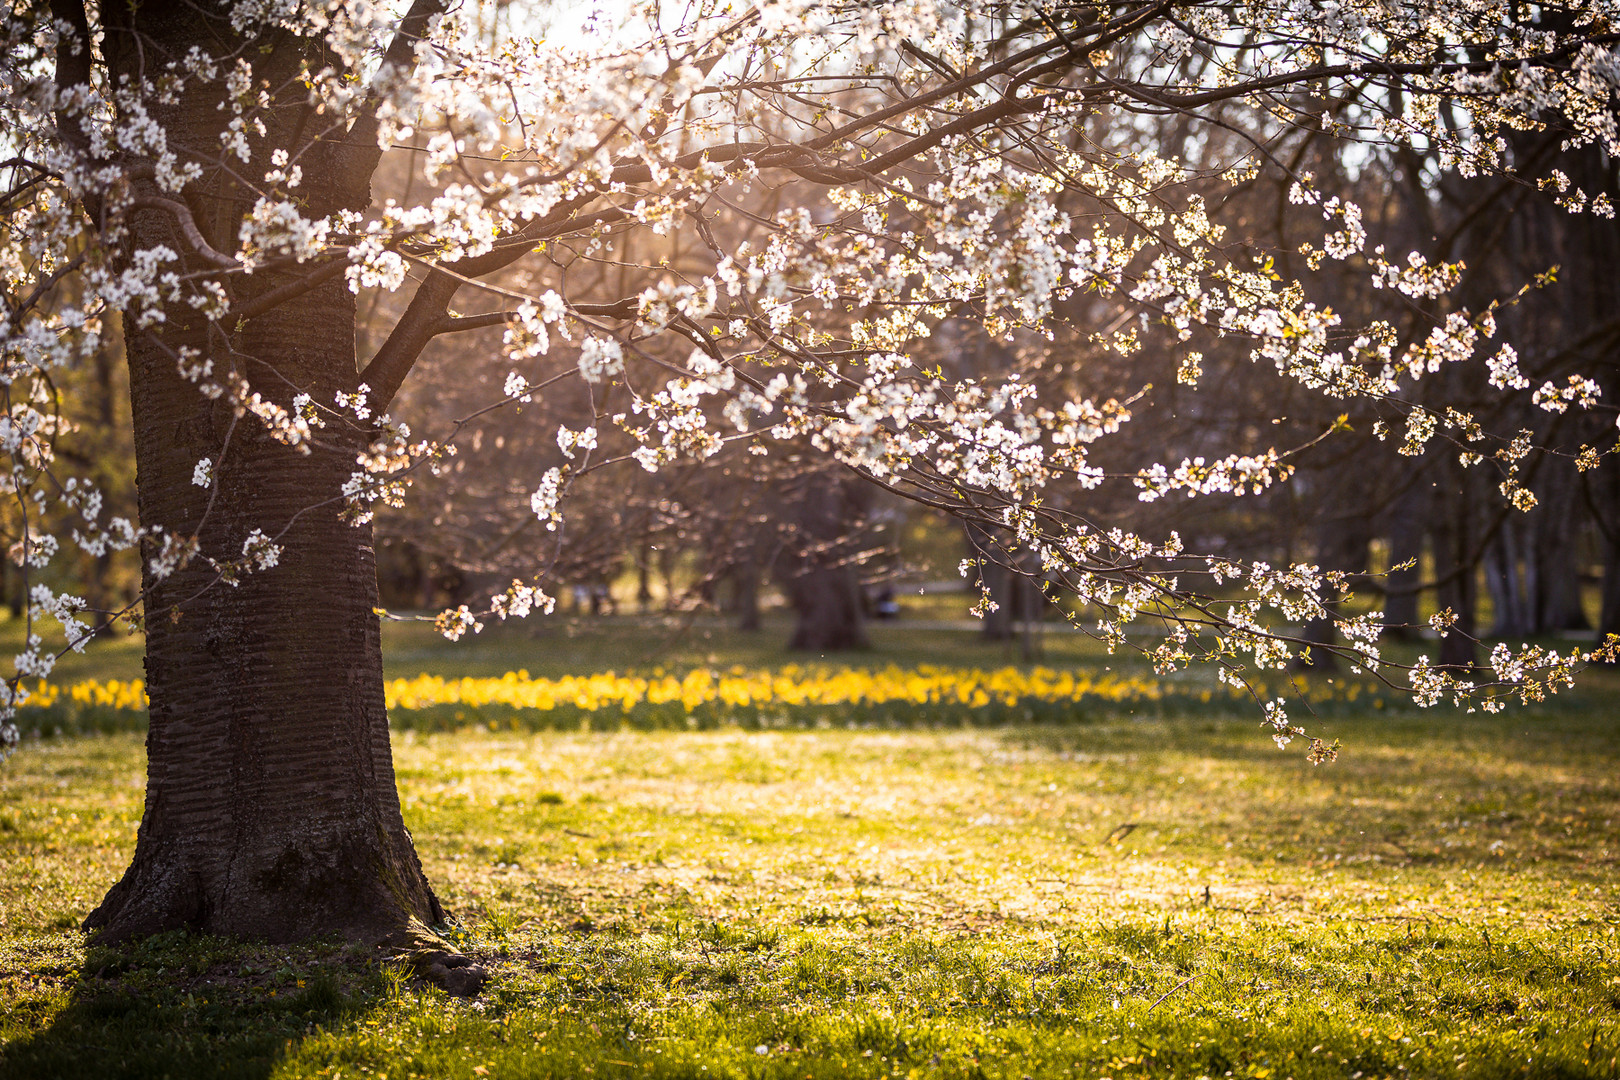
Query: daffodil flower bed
[
  {"x": 791, "y": 696},
  {"x": 104, "y": 705}
]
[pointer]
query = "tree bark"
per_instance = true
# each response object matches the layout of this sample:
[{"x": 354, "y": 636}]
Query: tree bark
[
  {"x": 643, "y": 579},
  {"x": 745, "y": 592},
  {"x": 1505, "y": 576},
  {"x": 828, "y": 605},
  {"x": 1606, "y": 500},
  {"x": 1556, "y": 552},
  {"x": 994, "y": 576},
  {"x": 271, "y": 810},
  {"x": 1009, "y": 577},
  {"x": 1609, "y": 618}
]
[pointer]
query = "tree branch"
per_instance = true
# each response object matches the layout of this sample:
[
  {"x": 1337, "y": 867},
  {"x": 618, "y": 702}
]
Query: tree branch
[
  {"x": 363, "y": 152},
  {"x": 1370, "y": 69},
  {"x": 619, "y": 309},
  {"x": 455, "y": 324},
  {"x": 188, "y": 228},
  {"x": 387, "y": 370},
  {"x": 74, "y": 66},
  {"x": 292, "y": 290}
]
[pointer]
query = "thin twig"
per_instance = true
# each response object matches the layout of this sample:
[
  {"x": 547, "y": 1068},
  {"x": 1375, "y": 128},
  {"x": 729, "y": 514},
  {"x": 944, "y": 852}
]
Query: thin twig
[{"x": 1172, "y": 990}]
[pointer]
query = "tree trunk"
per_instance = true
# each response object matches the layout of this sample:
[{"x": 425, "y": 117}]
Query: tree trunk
[
  {"x": 828, "y": 604},
  {"x": 1341, "y": 545},
  {"x": 16, "y": 589},
  {"x": 1609, "y": 617},
  {"x": 745, "y": 592},
  {"x": 1605, "y": 501},
  {"x": 823, "y": 584},
  {"x": 643, "y": 579},
  {"x": 1505, "y": 576},
  {"x": 997, "y": 623},
  {"x": 1458, "y": 590},
  {"x": 1015, "y": 597},
  {"x": 1405, "y": 543},
  {"x": 271, "y": 810},
  {"x": 1556, "y": 552}
]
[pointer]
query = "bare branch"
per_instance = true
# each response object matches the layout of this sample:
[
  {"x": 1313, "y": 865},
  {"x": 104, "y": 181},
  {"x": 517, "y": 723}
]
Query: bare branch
[
  {"x": 188, "y": 228},
  {"x": 292, "y": 290}
]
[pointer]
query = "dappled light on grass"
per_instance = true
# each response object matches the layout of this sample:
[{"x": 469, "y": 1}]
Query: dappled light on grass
[
  {"x": 1038, "y": 823},
  {"x": 1132, "y": 897}
]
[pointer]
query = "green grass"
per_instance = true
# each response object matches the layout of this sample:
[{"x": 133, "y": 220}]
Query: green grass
[
  {"x": 1127, "y": 897},
  {"x": 1024, "y": 902}
]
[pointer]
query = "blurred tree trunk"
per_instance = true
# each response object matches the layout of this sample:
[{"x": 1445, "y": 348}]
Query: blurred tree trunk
[
  {"x": 1016, "y": 598},
  {"x": 1506, "y": 580},
  {"x": 1455, "y": 570},
  {"x": 1609, "y": 619},
  {"x": 1406, "y": 527},
  {"x": 1556, "y": 556},
  {"x": 1341, "y": 545},
  {"x": 745, "y": 589},
  {"x": 823, "y": 583},
  {"x": 1604, "y": 498},
  {"x": 643, "y": 579}
]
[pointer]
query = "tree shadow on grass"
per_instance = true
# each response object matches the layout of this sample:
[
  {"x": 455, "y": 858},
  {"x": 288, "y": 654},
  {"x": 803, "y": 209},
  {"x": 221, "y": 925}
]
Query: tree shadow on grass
[{"x": 177, "y": 1005}]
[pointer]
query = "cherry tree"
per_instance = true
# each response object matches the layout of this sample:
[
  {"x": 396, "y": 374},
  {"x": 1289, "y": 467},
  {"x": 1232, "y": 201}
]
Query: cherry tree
[{"x": 203, "y": 173}]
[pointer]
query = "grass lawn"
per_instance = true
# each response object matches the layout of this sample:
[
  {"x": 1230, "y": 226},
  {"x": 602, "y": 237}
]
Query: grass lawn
[{"x": 1125, "y": 897}]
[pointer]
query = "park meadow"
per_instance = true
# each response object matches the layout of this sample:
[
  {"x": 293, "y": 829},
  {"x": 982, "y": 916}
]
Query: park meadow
[
  {"x": 1140, "y": 884},
  {"x": 492, "y": 494}
]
